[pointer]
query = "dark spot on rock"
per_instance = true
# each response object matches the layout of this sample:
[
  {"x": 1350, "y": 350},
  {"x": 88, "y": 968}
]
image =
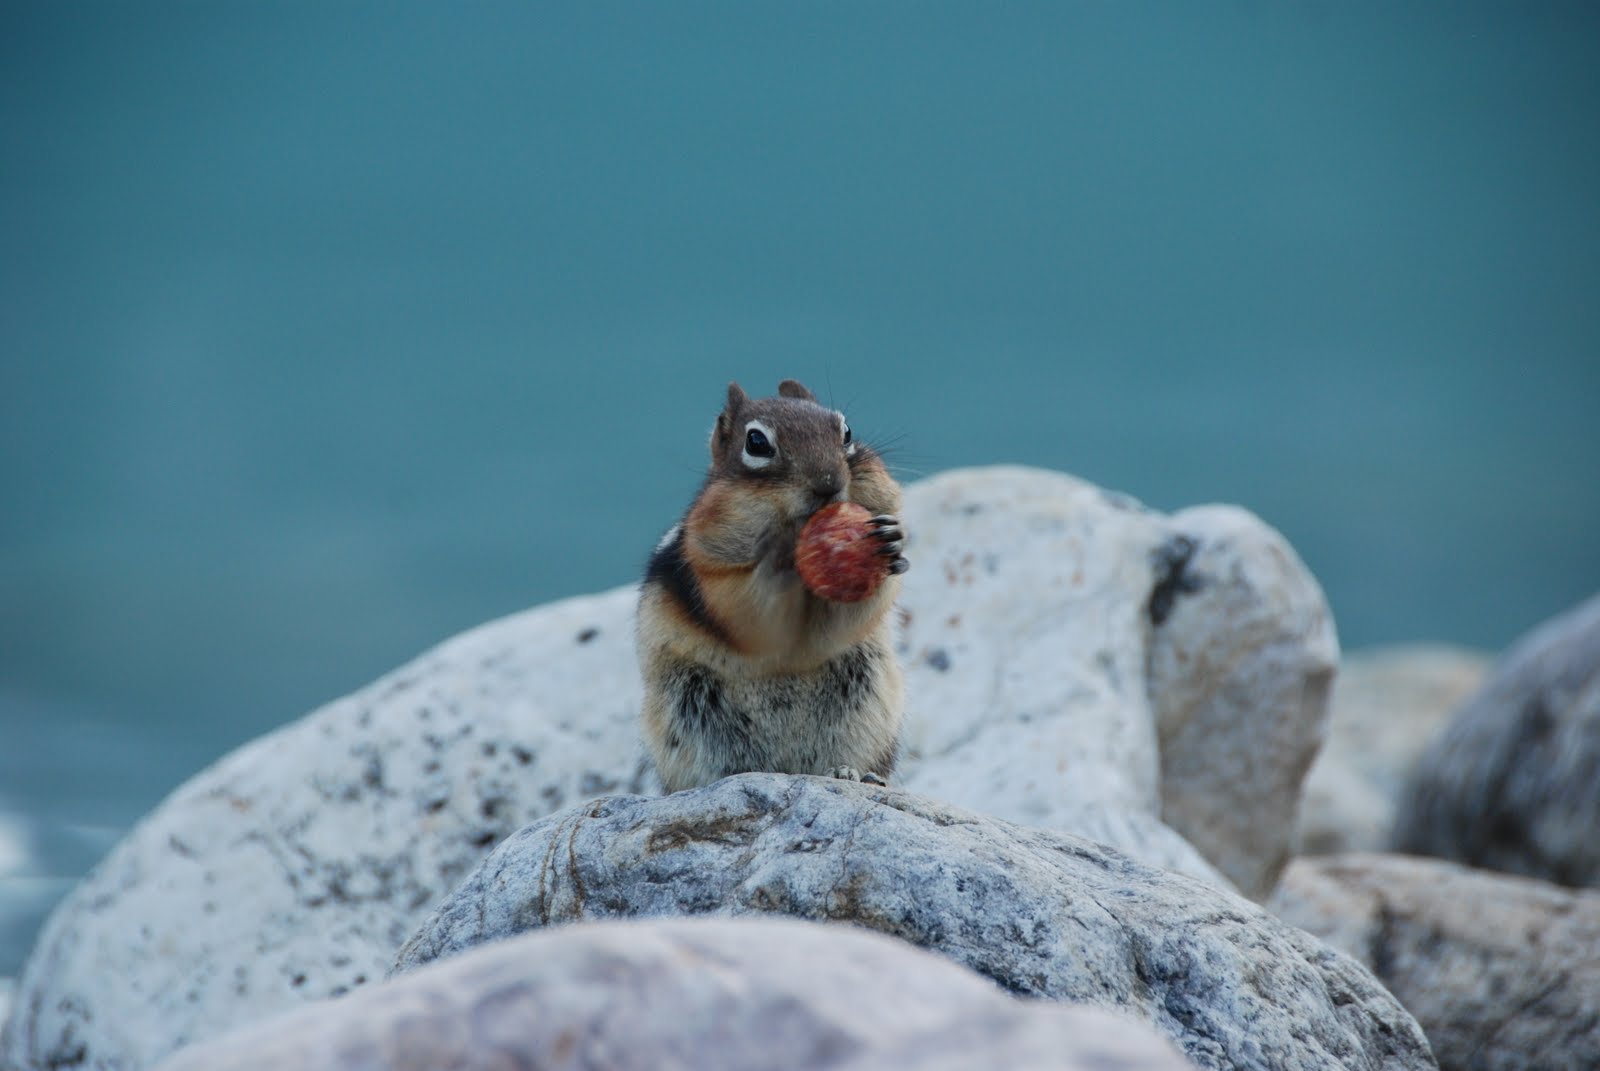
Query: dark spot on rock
[
  {"x": 490, "y": 749},
  {"x": 484, "y": 838},
  {"x": 361, "y": 979},
  {"x": 372, "y": 773},
  {"x": 521, "y": 754},
  {"x": 435, "y": 806},
  {"x": 939, "y": 659},
  {"x": 588, "y": 634},
  {"x": 1171, "y": 562},
  {"x": 68, "y": 1054},
  {"x": 1537, "y": 721},
  {"x": 972, "y": 508},
  {"x": 431, "y": 766},
  {"x": 338, "y": 991},
  {"x": 298, "y": 980},
  {"x": 593, "y": 784},
  {"x": 1381, "y": 943},
  {"x": 491, "y": 807}
]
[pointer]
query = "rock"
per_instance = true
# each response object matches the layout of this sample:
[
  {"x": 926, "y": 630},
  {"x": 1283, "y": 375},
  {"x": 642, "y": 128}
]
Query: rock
[
  {"x": 1061, "y": 625},
  {"x": 292, "y": 869},
  {"x": 1388, "y": 703},
  {"x": 1513, "y": 783},
  {"x": 668, "y": 994},
  {"x": 1043, "y": 914},
  {"x": 1503, "y": 973},
  {"x": 1239, "y": 673}
]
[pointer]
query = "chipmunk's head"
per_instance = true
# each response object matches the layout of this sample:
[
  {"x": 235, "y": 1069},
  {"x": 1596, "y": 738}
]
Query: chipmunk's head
[{"x": 790, "y": 440}]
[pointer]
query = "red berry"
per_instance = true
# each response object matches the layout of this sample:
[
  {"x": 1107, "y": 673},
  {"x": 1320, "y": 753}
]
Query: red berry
[{"x": 837, "y": 554}]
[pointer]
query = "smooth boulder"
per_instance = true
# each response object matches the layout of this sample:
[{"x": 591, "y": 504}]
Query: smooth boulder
[
  {"x": 669, "y": 994},
  {"x": 1502, "y": 972},
  {"x": 1043, "y": 914},
  {"x": 1513, "y": 783}
]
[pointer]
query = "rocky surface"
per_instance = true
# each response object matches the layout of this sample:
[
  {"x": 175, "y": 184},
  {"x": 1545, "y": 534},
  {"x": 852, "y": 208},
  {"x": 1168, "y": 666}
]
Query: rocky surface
[
  {"x": 1388, "y": 704},
  {"x": 1513, "y": 783},
  {"x": 1037, "y": 610},
  {"x": 688, "y": 994},
  {"x": 1043, "y": 914},
  {"x": 292, "y": 869},
  {"x": 1066, "y": 637},
  {"x": 1240, "y": 666},
  {"x": 1503, "y": 973}
]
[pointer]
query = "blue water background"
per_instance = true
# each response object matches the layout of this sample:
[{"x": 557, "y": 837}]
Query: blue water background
[{"x": 330, "y": 329}]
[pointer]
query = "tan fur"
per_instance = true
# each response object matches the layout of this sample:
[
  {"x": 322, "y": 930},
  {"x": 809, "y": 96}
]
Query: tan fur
[{"x": 762, "y": 673}]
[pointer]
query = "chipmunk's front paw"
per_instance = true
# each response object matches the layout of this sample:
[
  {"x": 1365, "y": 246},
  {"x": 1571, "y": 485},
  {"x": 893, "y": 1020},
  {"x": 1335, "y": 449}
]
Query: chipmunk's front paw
[
  {"x": 850, "y": 773},
  {"x": 886, "y": 529}
]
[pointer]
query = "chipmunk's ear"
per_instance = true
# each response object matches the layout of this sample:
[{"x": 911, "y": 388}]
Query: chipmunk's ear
[
  {"x": 793, "y": 388},
  {"x": 722, "y": 431}
]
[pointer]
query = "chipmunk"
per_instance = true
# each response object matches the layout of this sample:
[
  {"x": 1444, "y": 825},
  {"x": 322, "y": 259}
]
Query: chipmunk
[{"x": 744, "y": 668}]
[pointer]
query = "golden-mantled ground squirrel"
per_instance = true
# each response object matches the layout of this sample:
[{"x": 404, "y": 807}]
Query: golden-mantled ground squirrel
[{"x": 744, "y": 668}]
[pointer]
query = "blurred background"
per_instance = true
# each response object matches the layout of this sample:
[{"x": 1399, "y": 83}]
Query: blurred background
[{"x": 328, "y": 330}]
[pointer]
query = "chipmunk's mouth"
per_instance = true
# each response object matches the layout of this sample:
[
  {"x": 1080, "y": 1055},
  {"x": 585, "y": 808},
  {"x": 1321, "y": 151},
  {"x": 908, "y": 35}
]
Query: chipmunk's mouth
[{"x": 820, "y": 501}]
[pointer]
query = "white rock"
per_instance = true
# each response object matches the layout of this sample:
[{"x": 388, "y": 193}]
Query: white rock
[
  {"x": 663, "y": 995},
  {"x": 1025, "y": 645},
  {"x": 1094, "y": 624},
  {"x": 293, "y": 868},
  {"x": 1388, "y": 703},
  {"x": 1239, "y": 673}
]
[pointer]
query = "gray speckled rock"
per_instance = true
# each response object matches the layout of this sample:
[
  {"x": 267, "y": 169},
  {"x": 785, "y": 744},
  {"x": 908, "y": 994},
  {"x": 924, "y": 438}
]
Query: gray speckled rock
[
  {"x": 1503, "y": 973},
  {"x": 293, "y": 868},
  {"x": 1388, "y": 704},
  {"x": 688, "y": 994},
  {"x": 1043, "y": 914},
  {"x": 1514, "y": 782}
]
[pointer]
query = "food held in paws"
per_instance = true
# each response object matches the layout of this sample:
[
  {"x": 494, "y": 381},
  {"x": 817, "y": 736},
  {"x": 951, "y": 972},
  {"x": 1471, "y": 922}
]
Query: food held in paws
[{"x": 839, "y": 555}]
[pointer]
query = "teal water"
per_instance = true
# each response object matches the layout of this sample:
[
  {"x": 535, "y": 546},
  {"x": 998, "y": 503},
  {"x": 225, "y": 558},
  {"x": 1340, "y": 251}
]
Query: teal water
[{"x": 329, "y": 330}]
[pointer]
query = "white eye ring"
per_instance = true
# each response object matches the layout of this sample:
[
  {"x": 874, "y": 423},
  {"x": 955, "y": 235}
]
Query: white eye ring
[
  {"x": 845, "y": 436},
  {"x": 764, "y": 439}
]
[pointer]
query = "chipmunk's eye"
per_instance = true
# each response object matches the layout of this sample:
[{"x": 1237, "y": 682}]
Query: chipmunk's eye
[
  {"x": 847, "y": 434},
  {"x": 759, "y": 447}
]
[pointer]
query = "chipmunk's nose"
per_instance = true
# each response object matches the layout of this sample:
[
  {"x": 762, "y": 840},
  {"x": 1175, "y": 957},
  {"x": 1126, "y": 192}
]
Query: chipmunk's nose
[{"x": 825, "y": 485}]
